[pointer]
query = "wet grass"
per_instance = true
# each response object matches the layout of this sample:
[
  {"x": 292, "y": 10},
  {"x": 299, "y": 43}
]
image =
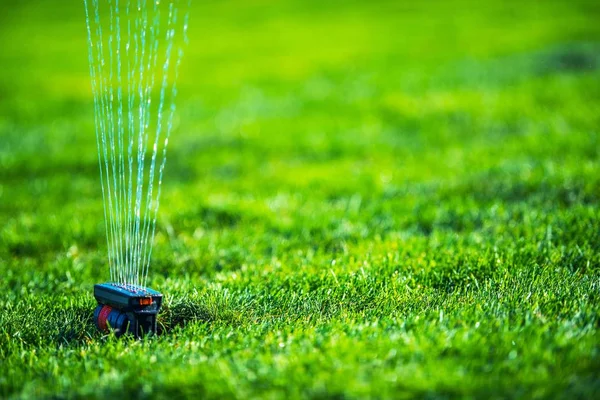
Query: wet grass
[{"x": 362, "y": 199}]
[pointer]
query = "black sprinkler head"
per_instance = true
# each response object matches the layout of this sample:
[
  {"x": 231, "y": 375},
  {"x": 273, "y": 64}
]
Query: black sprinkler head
[{"x": 126, "y": 308}]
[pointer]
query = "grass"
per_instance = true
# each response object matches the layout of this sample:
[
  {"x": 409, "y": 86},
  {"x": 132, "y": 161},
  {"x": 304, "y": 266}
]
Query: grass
[{"x": 363, "y": 199}]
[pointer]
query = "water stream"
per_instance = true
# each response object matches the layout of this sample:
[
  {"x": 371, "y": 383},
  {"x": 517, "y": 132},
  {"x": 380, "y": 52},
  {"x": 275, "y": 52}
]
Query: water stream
[{"x": 135, "y": 51}]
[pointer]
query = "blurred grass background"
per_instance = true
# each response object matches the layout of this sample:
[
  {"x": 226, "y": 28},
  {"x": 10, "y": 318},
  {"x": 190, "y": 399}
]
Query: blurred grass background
[{"x": 361, "y": 199}]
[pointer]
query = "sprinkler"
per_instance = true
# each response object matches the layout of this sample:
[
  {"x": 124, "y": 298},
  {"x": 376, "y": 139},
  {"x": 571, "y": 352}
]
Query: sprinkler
[
  {"x": 126, "y": 308},
  {"x": 134, "y": 54}
]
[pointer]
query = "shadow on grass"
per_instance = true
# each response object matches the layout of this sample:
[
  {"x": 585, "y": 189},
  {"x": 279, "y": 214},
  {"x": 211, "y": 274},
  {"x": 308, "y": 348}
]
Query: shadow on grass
[
  {"x": 69, "y": 320},
  {"x": 216, "y": 306},
  {"x": 182, "y": 312}
]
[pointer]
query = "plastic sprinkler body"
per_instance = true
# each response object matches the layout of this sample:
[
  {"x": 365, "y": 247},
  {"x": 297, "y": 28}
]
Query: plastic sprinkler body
[{"x": 126, "y": 309}]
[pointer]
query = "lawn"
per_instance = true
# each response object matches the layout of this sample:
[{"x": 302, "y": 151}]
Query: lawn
[{"x": 362, "y": 200}]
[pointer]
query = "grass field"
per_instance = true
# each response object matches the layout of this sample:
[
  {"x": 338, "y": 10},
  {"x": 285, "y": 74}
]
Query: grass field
[{"x": 362, "y": 199}]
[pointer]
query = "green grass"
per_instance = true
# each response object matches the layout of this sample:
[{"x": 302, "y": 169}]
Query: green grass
[{"x": 362, "y": 199}]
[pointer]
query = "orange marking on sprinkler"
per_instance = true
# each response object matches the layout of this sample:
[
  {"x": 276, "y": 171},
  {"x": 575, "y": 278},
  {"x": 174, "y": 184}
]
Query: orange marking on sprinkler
[{"x": 145, "y": 301}]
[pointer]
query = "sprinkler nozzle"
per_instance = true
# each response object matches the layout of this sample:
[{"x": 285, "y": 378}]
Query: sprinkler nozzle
[{"x": 126, "y": 308}]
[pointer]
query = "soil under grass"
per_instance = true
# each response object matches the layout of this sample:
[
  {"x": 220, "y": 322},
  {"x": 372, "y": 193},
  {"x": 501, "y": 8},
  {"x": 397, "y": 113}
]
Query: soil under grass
[{"x": 362, "y": 199}]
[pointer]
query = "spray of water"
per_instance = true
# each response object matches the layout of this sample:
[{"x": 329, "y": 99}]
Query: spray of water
[{"x": 135, "y": 51}]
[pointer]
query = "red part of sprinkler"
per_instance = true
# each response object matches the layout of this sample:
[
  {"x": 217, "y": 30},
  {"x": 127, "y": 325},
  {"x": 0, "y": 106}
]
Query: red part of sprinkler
[{"x": 102, "y": 317}]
